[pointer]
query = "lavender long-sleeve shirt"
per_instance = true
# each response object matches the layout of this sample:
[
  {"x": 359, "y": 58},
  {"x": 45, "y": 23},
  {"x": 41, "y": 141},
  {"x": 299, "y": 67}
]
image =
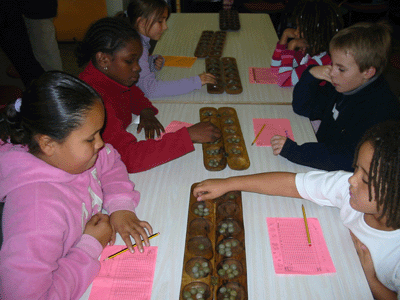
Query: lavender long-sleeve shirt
[{"x": 154, "y": 88}]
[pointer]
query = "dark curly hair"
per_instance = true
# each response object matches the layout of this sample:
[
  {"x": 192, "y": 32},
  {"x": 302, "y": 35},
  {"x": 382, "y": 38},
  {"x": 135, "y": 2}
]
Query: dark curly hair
[
  {"x": 318, "y": 22},
  {"x": 384, "y": 172}
]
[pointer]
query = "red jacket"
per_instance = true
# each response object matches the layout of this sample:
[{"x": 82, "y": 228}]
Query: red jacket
[{"x": 120, "y": 103}]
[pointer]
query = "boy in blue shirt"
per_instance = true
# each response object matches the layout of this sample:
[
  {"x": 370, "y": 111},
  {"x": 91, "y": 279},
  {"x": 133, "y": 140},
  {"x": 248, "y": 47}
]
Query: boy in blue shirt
[{"x": 354, "y": 98}]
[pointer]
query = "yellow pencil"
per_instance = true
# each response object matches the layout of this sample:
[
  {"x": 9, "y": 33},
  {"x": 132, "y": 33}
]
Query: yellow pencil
[
  {"x": 305, "y": 222},
  {"x": 258, "y": 134},
  {"x": 126, "y": 249}
]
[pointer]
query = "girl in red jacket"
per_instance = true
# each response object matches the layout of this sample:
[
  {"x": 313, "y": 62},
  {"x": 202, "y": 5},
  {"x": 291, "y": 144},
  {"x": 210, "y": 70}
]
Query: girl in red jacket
[{"x": 112, "y": 49}]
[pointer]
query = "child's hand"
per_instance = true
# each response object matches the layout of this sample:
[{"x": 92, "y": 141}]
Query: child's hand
[
  {"x": 365, "y": 257},
  {"x": 277, "y": 142},
  {"x": 158, "y": 63},
  {"x": 100, "y": 228},
  {"x": 204, "y": 132},
  {"x": 288, "y": 33},
  {"x": 379, "y": 291},
  {"x": 322, "y": 72},
  {"x": 127, "y": 224},
  {"x": 210, "y": 189},
  {"x": 149, "y": 122},
  {"x": 298, "y": 44},
  {"x": 207, "y": 78}
]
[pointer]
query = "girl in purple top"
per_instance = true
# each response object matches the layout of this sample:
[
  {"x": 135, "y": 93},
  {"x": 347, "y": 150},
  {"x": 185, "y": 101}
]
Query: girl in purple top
[
  {"x": 56, "y": 176},
  {"x": 149, "y": 18}
]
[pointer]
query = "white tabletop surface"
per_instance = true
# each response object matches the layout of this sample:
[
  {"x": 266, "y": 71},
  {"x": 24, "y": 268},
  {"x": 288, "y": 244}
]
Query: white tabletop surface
[
  {"x": 165, "y": 192},
  {"x": 252, "y": 46}
]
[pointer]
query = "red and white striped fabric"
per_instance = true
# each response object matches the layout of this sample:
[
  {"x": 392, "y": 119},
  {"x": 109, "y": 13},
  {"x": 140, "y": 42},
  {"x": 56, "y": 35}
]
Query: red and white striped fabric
[{"x": 292, "y": 63}]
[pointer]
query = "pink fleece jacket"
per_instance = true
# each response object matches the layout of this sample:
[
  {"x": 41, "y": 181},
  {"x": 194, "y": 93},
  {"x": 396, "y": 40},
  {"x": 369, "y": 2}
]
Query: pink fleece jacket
[{"x": 44, "y": 253}]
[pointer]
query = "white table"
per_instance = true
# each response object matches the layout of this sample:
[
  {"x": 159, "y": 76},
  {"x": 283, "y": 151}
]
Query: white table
[
  {"x": 252, "y": 46},
  {"x": 165, "y": 192}
]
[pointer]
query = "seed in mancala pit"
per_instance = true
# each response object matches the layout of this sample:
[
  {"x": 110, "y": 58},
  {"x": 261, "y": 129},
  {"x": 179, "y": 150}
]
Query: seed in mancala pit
[
  {"x": 213, "y": 163},
  {"x": 235, "y": 151},
  {"x": 207, "y": 113}
]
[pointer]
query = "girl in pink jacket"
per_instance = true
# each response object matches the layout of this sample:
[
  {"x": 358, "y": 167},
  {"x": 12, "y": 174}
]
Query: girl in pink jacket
[{"x": 56, "y": 176}]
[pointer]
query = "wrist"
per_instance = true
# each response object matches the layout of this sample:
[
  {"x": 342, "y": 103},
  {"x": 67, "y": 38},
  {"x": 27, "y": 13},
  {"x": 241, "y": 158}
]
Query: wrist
[
  {"x": 147, "y": 112},
  {"x": 283, "y": 40},
  {"x": 231, "y": 184},
  {"x": 292, "y": 45},
  {"x": 90, "y": 245}
]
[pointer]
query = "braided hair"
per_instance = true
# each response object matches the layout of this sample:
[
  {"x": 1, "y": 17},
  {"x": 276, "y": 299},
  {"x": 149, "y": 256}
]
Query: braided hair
[
  {"x": 106, "y": 35},
  {"x": 318, "y": 22},
  {"x": 384, "y": 172},
  {"x": 54, "y": 104}
]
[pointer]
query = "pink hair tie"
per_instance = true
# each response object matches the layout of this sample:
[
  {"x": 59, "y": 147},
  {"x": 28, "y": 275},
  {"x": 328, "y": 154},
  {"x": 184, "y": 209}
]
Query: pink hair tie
[{"x": 18, "y": 104}]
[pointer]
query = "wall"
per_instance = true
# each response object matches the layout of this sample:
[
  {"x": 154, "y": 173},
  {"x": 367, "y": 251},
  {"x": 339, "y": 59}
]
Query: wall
[
  {"x": 115, "y": 6},
  {"x": 75, "y": 16}
]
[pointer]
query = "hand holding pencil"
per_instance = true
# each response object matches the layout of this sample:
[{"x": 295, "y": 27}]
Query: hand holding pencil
[
  {"x": 127, "y": 224},
  {"x": 126, "y": 249}
]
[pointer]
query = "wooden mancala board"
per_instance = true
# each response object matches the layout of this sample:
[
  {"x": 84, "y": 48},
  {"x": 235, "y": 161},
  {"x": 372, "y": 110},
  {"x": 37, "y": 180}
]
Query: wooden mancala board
[
  {"x": 226, "y": 72},
  {"x": 210, "y": 44},
  {"x": 229, "y": 19},
  {"x": 214, "y": 264},
  {"x": 231, "y": 148}
]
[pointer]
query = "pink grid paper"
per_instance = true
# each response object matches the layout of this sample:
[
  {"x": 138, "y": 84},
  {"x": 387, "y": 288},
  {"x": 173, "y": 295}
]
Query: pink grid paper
[
  {"x": 125, "y": 277},
  {"x": 290, "y": 250}
]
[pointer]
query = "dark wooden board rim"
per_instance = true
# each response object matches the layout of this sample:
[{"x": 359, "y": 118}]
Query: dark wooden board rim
[{"x": 218, "y": 213}]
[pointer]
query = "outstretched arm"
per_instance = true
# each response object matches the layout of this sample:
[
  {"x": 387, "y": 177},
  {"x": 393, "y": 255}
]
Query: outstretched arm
[
  {"x": 275, "y": 183},
  {"x": 154, "y": 88}
]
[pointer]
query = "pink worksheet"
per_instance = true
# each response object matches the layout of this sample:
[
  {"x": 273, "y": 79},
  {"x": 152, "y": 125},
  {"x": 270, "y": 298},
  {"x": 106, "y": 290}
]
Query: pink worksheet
[
  {"x": 263, "y": 75},
  {"x": 174, "y": 126},
  {"x": 126, "y": 276},
  {"x": 290, "y": 250},
  {"x": 272, "y": 127}
]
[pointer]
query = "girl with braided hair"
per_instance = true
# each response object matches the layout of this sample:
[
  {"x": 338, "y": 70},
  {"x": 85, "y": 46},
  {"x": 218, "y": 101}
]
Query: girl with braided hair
[
  {"x": 111, "y": 50},
  {"x": 368, "y": 199},
  {"x": 317, "y": 22}
]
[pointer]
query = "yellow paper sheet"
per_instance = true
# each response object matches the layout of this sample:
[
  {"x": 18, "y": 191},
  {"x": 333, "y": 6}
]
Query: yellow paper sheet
[{"x": 179, "y": 61}]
